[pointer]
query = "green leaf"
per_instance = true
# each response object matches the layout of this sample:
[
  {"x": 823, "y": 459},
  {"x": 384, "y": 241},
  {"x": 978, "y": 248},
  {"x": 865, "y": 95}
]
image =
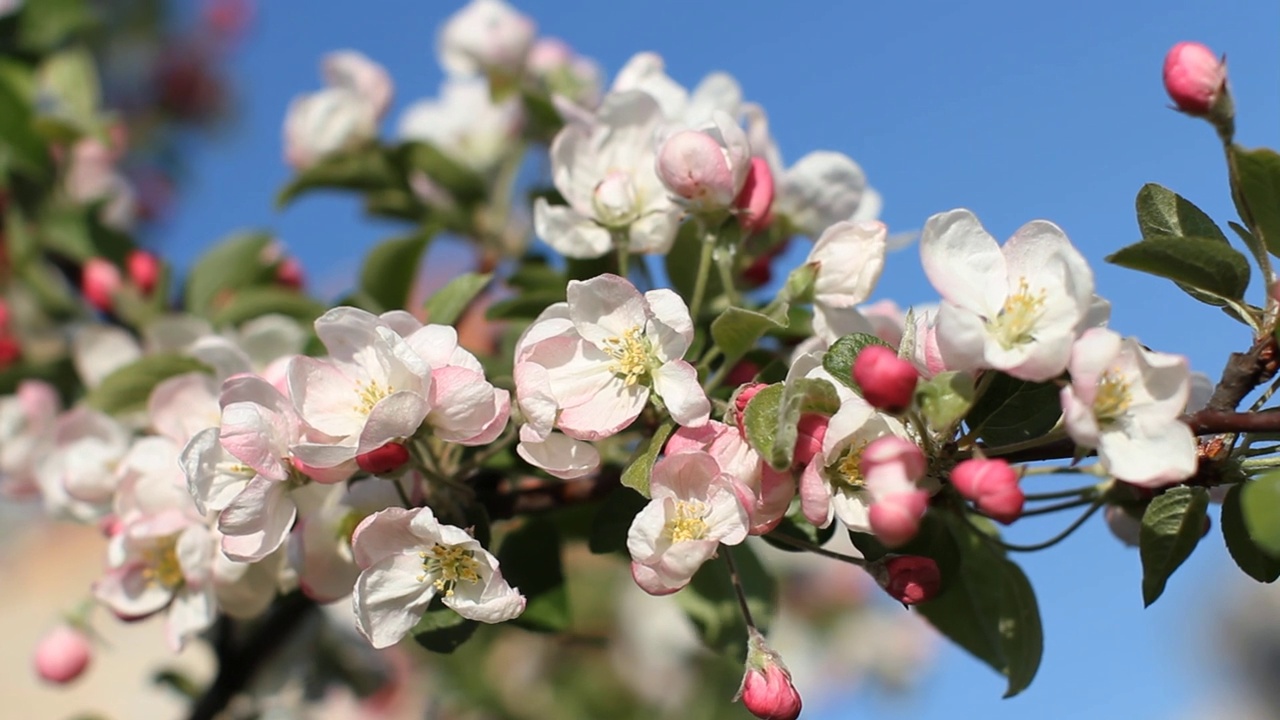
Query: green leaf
[
  {"x": 737, "y": 329},
  {"x": 945, "y": 398},
  {"x": 390, "y": 268},
  {"x": 839, "y": 358},
  {"x": 1171, "y": 528},
  {"x": 441, "y": 629},
  {"x": 45, "y": 24},
  {"x": 636, "y": 476},
  {"x": 1199, "y": 263},
  {"x": 1258, "y": 199},
  {"x": 234, "y": 263},
  {"x": 27, "y": 150},
  {"x": 1253, "y": 560},
  {"x": 990, "y": 610},
  {"x": 530, "y": 560},
  {"x": 710, "y": 601},
  {"x": 128, "y": 388},
  {"x": 1255, "y": 245},
  {"x": 364, "y": 168},
  {"x": 253, "y": 302},
  {"x": 69, "y": 86},
  {"x": 463, "y": 183},
  {"x": 1013, "y": 410},
  {"x": 1260, "y": 505},
  {"x": 450, "y": 301},
  {"x": 1162, "y": 212},
  {"x": 760, "y": 419},
  {"x": 799, "y": 395},
  {"x": 613, "y": 520}
]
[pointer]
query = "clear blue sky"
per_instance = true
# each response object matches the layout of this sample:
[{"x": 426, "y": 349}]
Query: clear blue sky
[{"x": 1016, "y": 110}]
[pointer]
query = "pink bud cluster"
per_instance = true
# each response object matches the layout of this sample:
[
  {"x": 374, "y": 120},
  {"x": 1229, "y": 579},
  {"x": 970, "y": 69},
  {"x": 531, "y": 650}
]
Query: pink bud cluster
[{"x": 992, "y": 485}]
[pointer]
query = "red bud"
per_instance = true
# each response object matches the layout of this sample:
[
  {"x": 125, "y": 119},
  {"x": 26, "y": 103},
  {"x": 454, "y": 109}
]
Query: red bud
[{"x": 385, "y": 459}]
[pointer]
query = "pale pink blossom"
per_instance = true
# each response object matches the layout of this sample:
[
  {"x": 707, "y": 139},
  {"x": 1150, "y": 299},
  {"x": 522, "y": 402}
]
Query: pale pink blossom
[
  {"x": 465, "y": 124},
  {"x": 485, "y": 37},
  {"x": 27, "y": 419},
  {"x": 343, "y": 115},
  {"x": 848, "y": 259},
  {"x": 705, "y": 168},
  {"x": 765, "y": 493}
]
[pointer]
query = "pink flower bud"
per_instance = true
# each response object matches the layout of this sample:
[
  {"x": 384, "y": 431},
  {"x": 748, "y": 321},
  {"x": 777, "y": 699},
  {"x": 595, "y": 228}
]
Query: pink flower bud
[
  {"x": 740, "y": 400},
  {"x": 62, "y": 655},
  {"x": 756, "y": 198},
  {"x": 1194, "y": 77},
  {"x": 767, "y": 690},
  {"x": 694, "y": 166},
  {"x": 100, "y": 280},
  {"x": 289, "y": 273},
  {"x": 4, "y": 317},
  {"x": 144, "y": 270},
  {"x": 10, "y": 351},
  {"x": 385, "y": 459},
  {"x": 892, "y": 462},
  {"x": 810, "y": 432},
  {"x": 895, "y": 518},
  {"x": 993, "y": 485},
  {"x": 887, "y": 381},
  {"x": 911, "y": 579}
]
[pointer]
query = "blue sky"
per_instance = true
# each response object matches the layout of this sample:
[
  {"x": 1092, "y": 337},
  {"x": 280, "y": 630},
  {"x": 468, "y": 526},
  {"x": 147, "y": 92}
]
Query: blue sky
[{"x": 1015, "y": 110}]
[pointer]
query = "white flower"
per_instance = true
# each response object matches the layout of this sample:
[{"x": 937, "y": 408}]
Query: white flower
[
  {"x": 765, "y": 493},
  {"x": 717, "y": 92},
  {"x": 407, "y": 558},
  {"x": 598, "y": 369},
  {"x": 849, "y": 258},
  {"x": 486, "y": 36},
  {"x": 77, "y": 477},
  {"x": 465, "y": 407},
  {"x": 692, "y": 510},
  {"x": 1016, "y": 309},
  {"x": 465, "y": 124},
  {"x": 821, "y": 189},
  {"x": 1125, "y": 401},
  {"x": 340, "y": 116},
  {"x": 26, "y": 421},
  {"x": 605, "y": 172}
]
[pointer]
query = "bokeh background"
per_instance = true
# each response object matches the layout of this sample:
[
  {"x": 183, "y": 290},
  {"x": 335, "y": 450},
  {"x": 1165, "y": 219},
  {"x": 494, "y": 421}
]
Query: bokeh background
[{"x": 1015, "y": 110}]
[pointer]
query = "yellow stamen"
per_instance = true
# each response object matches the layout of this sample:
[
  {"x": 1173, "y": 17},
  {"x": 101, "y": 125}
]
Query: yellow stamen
[
  {"x": 848, "y": 471},
  {"x": 370, "y": 394},
  {"x": 160, "y": 563},
  {"x": 688, "y": 522},
  {"x": 633, "y": 355},
  {"x": 1018, "y": 317},
  {"x": 1113, "y": 398},
  {"x": 450, "y": 565}
]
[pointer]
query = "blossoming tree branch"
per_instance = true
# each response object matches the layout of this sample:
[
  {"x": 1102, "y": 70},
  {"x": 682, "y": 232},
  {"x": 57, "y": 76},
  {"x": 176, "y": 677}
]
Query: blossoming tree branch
[{"x": 627, "y": 372}]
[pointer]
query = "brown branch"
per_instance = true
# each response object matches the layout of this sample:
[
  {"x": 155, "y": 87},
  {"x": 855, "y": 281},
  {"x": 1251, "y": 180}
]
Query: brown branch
[{"x": 1244, "y": 372}]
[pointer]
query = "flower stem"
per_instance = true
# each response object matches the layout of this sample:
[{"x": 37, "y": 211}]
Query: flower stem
[
  {"x": 704, "y": 270},
  {"x": 737, "y": 587},
  {"x": 805, "y": 545},
  {"x": 1053, "y": 540}
]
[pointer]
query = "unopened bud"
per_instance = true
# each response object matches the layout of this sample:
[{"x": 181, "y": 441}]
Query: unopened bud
[
  {"x": 4, "y": 317},
  {"x": 1194, "y": 77},
  {"x": 993, "y": 485},
  {"x": 888, "y": 382},
  {"x": 10, "y": 351},
  {"x": 100, "y": 280},
  {"x": 144, "y": 270},
  {"x": 895, "y": 518},
  {"x": 289, "y": 273},
  {"x": 740, "y": 400},
  {"x": 767, "y": 690},
  {"x": 62, "y": 655},
  {"x": 755, "y": 199},
  {"x": 693, "y": 166},
  {"x": 910, "y": 579},
  {"x": 385, "y": 459},
  {"x": 811, "y": 430}
]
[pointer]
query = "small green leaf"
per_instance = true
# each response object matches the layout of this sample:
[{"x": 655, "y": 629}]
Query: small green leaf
[
  {"x": 450, "y": 301},
  {"x": 1260, "y": 505},
  {"x": 128, "y": 388},
  {"x": 1171, "y": 528},
  {"x": 839, "y": 359},
  {"x": 737, "y": 329},
  {"x": 945, "y": 398},
  {"x": 1162, "y": 212},
  {"x": 254, "y": 302},
  {"x": 390, "y": 269},
  {"x": 613, "y": 520},
  {"x": 18, "y": 135},
  {"x": 364, "y": 168},
  {"x": 1195, "y": 262},
  {"x": 462, "y": 183},
  {"x": 69, "y": 88},
  {"x": 1255, "y": 562},
  {"x": 1258, "y": 199},
  {"x": 760, "y": 418},
  {"x": 799, "y": 395},
  {"x": 45, "y": 24},
  {"x": 636, "y": 476},
  {"x": 1013, "y": 410},
  {"x": 530, "y": 561},
  {"x": 234, "y": 263},
  {"x": 442, "y": 630},
  {"x": 712, "y": 605}
]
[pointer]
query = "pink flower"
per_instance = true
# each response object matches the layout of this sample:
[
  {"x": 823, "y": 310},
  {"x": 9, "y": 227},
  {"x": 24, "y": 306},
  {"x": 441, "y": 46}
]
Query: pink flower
[
  {"x": 992, "y": 485},
  {"x": 100, "y": 281},
  {"x": 891, "y": 466},
  {"x": 1194, "y": 77},
  {"x": 767, "y": 690},
  {"x": 144, "y": 270},
  {"x": 755, "y": 200},
  {"x": 764, "y": 492},
  {"x": 62, "y": 655},
  {"x": 706, "y": 168},
  {"x": 910, "y": 579},
  {"x": 887, "y": 381}
]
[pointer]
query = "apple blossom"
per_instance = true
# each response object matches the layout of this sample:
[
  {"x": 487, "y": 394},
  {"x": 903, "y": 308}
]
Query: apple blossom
[
  {"x": 1194, "y": 77},
  {"x": 891, "y": 467},
  {"x": 887, "y": 381},
  {"x": 693, "y": 508},
  {"x": 407, "y": 558},
  {"x": 822, "y": 189},
  {"x": 62, "y": 654},
  {"x": 466, "y": 125},
  {"x": 765, "y": 493},
  {"x": 100, "y": 280},
  {"x": 848, "y": 259},
  {"x": 1126, "y": 401},
  {"x": 646, "y": 72},
  {"x": 564, "y": 73},
  {"x": 606, "y": 173},
  {"x": 706, "y": 168},
  {"x": 1015, "y": 309},
  {"x": 344, "y": 114},
  {"x": 27, "y": 419},
  {"x": 767, "y": 690},
  {"x": 485, "y": 36}
]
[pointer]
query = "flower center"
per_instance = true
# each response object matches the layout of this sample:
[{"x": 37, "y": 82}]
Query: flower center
[
  {"x": 688, "y": 522},
  {"x": 848, "y": 472},
  {"x": 614, "y": 199},
  {"x": 632, "y": 356},
  {"x": 449, "y": 565},
  {"x": 1113, "y": 398},
  {"x": 160, "y": 563},
  {"x": 370, "y": 394},
  {"x": 1018, "y": 317}
]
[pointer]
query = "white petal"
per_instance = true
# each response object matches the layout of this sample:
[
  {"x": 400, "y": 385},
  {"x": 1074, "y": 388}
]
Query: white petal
[
  {"x": 677, "y": 384},
  {"x": 569, "y": 233},
  {"x": 389, "y": 599},
  {"x": 963, "y": 262}
]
